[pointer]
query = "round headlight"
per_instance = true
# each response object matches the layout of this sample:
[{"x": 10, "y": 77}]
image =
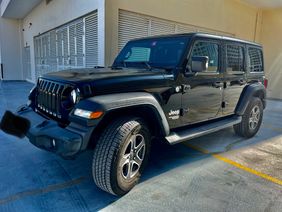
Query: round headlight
[{"x": 75, "y": 96}]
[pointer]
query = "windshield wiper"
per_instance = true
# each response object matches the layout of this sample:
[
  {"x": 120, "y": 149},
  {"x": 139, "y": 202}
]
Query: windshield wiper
[
  {"x": 167, "y": 68},
  {"x": 147, "y": 64},
  {"x": 124, "y": 64},
  {"x": 142, "y": 62}
]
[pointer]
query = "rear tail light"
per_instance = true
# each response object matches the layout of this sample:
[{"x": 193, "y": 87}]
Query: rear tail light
[{"x": 265, "y": 83}]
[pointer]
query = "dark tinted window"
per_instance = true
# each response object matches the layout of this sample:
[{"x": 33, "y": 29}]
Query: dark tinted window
[
  {"x": 235, "y": 58},
  {"x": 155, "y": 52},
  {"x": 255, "y": 60},
  {"x": 209, "y": 49}
]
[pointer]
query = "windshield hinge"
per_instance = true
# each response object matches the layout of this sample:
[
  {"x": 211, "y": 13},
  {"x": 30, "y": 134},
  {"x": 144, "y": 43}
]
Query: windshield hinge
[{"x": 185, "y": 88}]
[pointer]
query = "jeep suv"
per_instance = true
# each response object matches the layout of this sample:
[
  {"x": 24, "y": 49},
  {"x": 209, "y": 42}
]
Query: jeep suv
[{"x": 174, "y": 88}]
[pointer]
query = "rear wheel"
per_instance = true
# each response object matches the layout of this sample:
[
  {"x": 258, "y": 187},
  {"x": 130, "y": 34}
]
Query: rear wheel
[
  {"x": 251, "y": 120},
  {"x": 121, "y": 155}
]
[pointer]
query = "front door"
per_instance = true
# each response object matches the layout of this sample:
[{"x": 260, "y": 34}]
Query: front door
[{"x": 202, "y": 98}]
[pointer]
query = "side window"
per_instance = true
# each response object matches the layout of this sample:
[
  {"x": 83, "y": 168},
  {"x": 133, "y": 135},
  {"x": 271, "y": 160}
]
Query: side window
[
  {"x": 209, "y": 49},
  {"x": 138, "y": 54},
  {"x": 235, "y": 58},
  {"x": 255, "y": 60}
]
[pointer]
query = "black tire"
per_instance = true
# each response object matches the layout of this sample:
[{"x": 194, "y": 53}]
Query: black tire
[
  {"x": 110, "y": 153},
  {"x": 245, "y": 128}
]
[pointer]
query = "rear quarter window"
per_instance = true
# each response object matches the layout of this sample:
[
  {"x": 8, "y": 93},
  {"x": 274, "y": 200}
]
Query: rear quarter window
[
  {"x": 255, "y": 60},
  {"x": 235, "y": 58}
]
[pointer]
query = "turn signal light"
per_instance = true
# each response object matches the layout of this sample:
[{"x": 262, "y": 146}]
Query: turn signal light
[
  {"x": 88, "y": 114},
  {"x": 96, "y": 115}
]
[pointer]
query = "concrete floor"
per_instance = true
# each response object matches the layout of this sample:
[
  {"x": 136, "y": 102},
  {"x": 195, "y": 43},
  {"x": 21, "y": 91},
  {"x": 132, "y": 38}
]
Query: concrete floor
[{"x": 218, "y": 172}]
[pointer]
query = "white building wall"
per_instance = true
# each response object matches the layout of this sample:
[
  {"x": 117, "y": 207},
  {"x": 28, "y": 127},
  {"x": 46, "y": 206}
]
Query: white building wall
[
  {"x": 11, "y": 49},
  {"x": 45, "y": 17}
]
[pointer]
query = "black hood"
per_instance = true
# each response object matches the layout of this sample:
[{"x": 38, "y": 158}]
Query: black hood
[{"x": 107, "y": 80}]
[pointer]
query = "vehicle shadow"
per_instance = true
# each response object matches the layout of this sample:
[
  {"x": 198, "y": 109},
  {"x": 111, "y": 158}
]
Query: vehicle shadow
[{"x": 164, "y": 158}]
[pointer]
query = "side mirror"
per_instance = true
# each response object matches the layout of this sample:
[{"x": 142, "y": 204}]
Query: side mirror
[{"x": 200, "y": 63}]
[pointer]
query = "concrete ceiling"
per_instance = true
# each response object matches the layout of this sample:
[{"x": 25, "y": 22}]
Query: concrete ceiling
[
  {"x": 265, "y": 3},
  {"x": 18, "y": 9}
]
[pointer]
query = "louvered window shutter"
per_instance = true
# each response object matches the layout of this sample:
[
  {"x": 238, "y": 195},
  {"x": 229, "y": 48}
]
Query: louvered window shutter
[
  {"x": 65, "y": 47},
  {"x": 53, "y": 52},
  {"x": 27, "y": 65},
  {"x": 159, "y": 27},
  {"x": 180, "y": 28},
  {"x": 91, "y": 40},
  {"x": 36, "y": 55},
  {"x": 72, "y": 46},
  {"x": 59, "y": 49},
  {"x": 131, "y": 26},
  {"x": 79, "y": 44}
]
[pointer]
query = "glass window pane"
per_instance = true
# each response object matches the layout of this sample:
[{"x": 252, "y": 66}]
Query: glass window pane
[
  {"x": 255, "y": 60},
  {"x": 206, "y": 49},
  {"x": 155, "y": 52},
  {"x": 235, "y": 58},
  {"x": 138, "y": 54}
]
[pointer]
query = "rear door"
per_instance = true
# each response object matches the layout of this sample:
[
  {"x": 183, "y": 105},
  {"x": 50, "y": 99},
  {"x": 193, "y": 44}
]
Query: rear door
[{"x": 234, "y": 76}]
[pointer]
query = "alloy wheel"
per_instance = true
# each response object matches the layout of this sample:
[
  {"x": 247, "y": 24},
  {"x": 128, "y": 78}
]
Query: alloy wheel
[
  {"x": 254, "y": 117},
  {"x": 133, "y": 156}
]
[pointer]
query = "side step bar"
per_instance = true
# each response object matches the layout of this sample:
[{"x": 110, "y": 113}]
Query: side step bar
[{"x": 184, "y": 135}]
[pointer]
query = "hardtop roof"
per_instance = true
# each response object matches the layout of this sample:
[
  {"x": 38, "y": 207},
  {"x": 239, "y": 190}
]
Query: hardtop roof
[{"x": 203, "y": 35}]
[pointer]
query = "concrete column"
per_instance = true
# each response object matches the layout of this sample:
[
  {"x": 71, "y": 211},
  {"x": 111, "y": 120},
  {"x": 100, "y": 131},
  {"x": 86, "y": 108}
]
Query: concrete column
[
  {"x": 101, "y": 33},
  {"x": 11, "y": 49}
]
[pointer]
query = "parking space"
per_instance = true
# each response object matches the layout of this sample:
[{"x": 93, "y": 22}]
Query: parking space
[{"x": 218, "y": 172}]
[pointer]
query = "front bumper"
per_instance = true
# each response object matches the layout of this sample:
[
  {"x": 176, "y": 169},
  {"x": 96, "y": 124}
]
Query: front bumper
[{"x": 48, "y": 135}]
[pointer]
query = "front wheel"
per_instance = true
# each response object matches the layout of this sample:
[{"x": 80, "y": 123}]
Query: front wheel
[
  {"x": 251, "y": 120},
  {"x": 120, "y": 155}
]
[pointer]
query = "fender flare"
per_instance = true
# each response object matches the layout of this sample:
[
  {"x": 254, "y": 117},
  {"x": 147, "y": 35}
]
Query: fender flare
[
  {"x": 111, "y": 102},
  {"x": 253, "y": 90}
]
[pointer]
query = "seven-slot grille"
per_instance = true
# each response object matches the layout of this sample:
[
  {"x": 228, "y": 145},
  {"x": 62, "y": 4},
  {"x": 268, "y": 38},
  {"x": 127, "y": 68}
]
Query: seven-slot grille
[{"x": 49, "y": 97}]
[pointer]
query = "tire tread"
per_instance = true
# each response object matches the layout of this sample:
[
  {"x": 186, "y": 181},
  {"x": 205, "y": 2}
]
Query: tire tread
[{"x": 106, "y": 152}]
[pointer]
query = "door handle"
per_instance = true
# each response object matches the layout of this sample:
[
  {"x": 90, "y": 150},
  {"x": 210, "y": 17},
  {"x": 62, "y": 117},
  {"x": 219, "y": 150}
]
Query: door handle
[{"x": 217, "y": 84}]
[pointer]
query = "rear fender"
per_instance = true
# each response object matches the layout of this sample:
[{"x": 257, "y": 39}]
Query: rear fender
[{"x": 250, "y": 91}]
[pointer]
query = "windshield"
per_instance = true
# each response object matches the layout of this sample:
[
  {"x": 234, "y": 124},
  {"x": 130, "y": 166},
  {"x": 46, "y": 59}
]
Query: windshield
[{"x": 152, "y": 53}]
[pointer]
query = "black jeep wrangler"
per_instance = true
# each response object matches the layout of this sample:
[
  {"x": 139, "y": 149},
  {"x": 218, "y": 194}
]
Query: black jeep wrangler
[{"x": 174, "y": 87}]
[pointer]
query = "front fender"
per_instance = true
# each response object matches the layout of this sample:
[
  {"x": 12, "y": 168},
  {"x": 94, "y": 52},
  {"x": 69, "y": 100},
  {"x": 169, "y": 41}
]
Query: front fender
[{"x": 111, "y": 102}]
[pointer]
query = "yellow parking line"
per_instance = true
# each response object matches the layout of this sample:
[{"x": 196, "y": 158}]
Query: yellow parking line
[{"x": 238, "y": 165}]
